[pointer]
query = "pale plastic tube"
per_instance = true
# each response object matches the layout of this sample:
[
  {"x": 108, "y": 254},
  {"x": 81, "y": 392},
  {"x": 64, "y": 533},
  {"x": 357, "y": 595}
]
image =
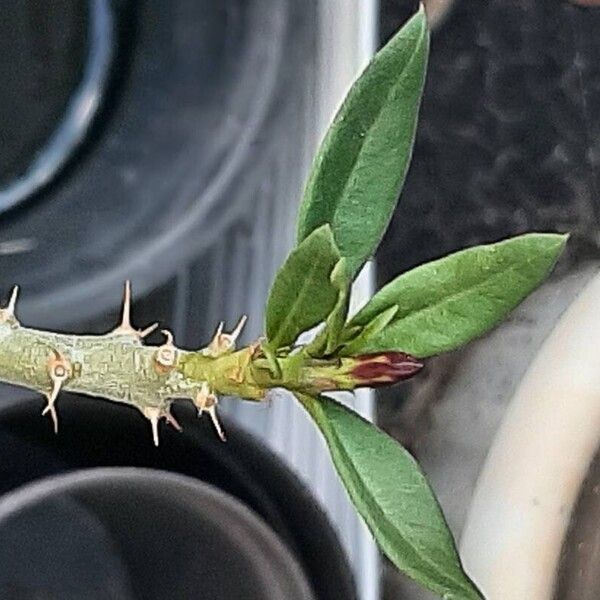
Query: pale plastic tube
[{"x": 532, "y": 476}]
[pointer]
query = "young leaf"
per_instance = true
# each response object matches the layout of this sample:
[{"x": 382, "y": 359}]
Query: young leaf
[
  {"x": 302, "y": 294},
  {"x": 370, "y": 330},
  {"x": 361, "y": 166},
  {"x": 446, "y": 303},
  {"x": 335, "y": 322},
  {"x": 392, "y": 495},
  {"x": 328, "y": 339}
]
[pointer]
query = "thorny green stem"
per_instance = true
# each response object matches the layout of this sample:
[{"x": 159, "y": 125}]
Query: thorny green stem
[{"x": 118, "y": 366}]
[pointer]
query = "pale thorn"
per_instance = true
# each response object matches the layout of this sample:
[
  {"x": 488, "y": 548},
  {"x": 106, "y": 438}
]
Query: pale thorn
[
  {"x": 171, "y": 420},
  {"x": 52, "y": 396},
  {"x": 153, "y": 415},
  {"x": 206, "y": 401},
  {"x": 202, "y": 397},
  {"x": 50, "y": 409},
  {"x": 12, "y": 303},
  {"x": 235, "y": 334},
  {"x": 125, "y": 327},
  {"x": 146, "y": 332},
  {"x": 215, "y": 347},
  {"x": 59, "y": 371},
  {"x": 254, "y": 347},
  {"x": 212, "y": 411},
  {"x": 154, "y": 423},
  {"x": 126, "y": 313},
  {"x": 169, "y": 337},
  {"x": 8, "y": 314},
  {"x": 224, "y": 342}
]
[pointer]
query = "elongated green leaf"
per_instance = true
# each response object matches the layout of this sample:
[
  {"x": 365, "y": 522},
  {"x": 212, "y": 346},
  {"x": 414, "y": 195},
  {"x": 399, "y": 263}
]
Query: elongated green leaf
[
  {"x": 361, "y": 166},
  {"x": 392, "y": 495},
  {"x": 445, "y": 303},
  {"x": 302, "y": 294}
]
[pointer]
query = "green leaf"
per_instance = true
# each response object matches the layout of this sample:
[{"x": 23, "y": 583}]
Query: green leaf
[
  {"x": 335, "y": 322},
  {"x": 302, "y": 294},
  {"x": 328, "y": 339},
  {"x": 370, "y": 330},
  {"x": 446, "y": 303},
  {"x": 392, "y": 495},
  {"x": 362, "y": 163}
]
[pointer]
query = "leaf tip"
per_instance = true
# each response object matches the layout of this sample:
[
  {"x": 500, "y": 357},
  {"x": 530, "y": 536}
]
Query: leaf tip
[
  {"x": 421, "y": 16},
  {"x": 562, "y": 240},
  {"x": 555, "y": 242}
]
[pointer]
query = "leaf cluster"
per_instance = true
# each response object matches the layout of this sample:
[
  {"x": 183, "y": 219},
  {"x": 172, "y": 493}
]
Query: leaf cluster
[{"x": 437, "y": 307}]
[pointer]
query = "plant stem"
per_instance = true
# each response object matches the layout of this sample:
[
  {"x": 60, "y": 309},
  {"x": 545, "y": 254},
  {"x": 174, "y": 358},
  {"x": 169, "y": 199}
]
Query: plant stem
[{"x": 118, "y": 366}]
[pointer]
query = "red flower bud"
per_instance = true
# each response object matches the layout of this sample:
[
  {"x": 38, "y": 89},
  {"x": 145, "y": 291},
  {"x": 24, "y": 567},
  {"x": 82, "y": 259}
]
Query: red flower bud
[
  {"x": 366, "y": 370},
  {"x": 372, "y": 370}
]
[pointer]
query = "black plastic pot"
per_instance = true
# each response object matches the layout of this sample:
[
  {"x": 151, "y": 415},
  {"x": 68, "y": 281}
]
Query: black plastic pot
[
  {"x": 138, "y": 533},
  {"x": 95, "y": 433}
]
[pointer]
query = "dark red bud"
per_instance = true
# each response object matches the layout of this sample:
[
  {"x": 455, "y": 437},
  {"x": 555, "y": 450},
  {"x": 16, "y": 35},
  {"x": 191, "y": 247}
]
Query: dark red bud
[{"x": 385, "y": 368}]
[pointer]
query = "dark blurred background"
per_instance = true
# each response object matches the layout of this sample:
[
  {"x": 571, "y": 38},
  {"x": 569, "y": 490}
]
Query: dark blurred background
[{"x": 509, "y": 139}]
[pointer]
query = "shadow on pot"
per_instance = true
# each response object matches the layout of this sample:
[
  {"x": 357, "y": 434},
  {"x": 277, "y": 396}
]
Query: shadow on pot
[{"x": 155, "y": 535}]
